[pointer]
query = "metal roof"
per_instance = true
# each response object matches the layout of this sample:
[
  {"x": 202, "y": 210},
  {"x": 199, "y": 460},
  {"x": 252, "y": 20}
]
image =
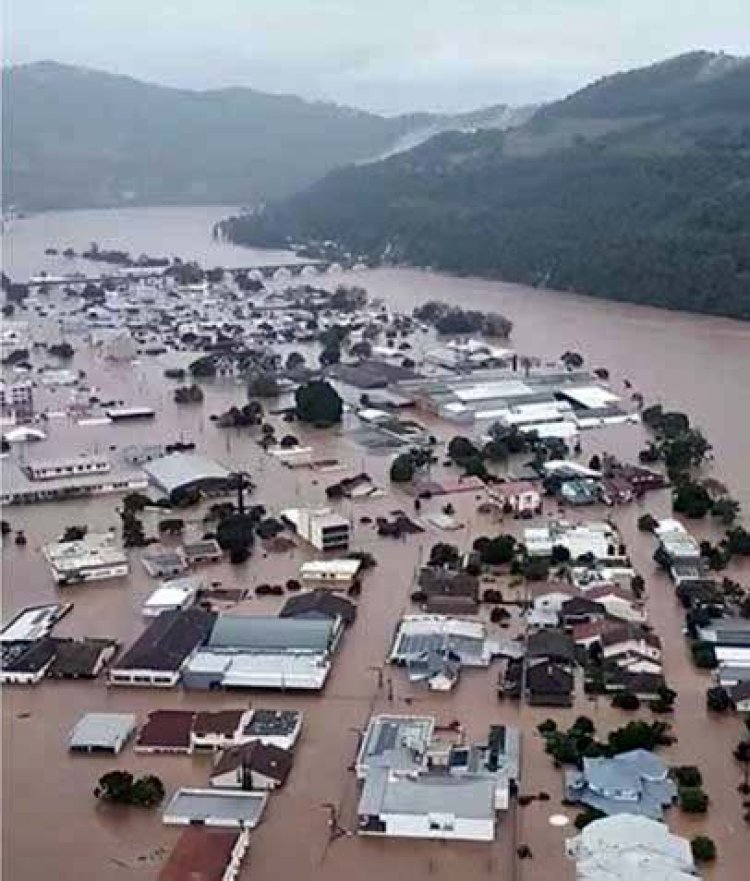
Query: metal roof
[
  {"x": 252, "y": 633},
  {"x": 181, "y": 469},
  {"x": 465, "y": 797},
  {"x": 215, "y": 807},
  {"x": 102, "y": 731}
]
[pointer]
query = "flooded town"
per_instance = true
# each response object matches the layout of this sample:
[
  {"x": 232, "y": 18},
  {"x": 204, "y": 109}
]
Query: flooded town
[{"x": 356, "y": 571}]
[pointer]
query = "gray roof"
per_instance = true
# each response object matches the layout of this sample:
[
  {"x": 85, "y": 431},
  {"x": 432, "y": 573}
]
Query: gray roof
[
  {"x": 102, "y": 730},
  {"x": 412, "y": 646},
  {"x": 465, "y": 797},
  {"x": 219, "y": 807},
  {"x": 605, "y": 783},
  {"x": 182, "y": 469},
  {"x": 398, "y": 742},
  {"x": 253, "y": 633}
]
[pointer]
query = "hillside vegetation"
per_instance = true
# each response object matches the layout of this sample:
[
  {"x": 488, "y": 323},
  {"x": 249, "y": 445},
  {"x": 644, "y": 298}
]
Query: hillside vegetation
[
  {"x": 635, "y": 188},
  {"x": 75, "y": 138}
]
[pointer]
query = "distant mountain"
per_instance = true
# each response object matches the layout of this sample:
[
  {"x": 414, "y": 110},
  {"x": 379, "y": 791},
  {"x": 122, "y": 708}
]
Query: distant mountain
[
  {"x": 634, "y": 188},
  {"x": 74, "y": 137}
]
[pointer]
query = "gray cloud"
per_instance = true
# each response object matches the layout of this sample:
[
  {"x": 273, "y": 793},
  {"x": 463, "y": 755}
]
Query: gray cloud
[{"x": 387, "y": 55}]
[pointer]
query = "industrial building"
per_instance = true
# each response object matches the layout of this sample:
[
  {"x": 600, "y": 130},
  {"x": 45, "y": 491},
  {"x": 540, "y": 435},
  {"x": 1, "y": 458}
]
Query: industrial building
[
  {"x": 180, "y": 473},
  {"x": 551, "y": 402},
  {"x": 20, "y": 489},
  {"x": 93, "y": 558},
  {"x": 246, "y": 651},
  {"x": 157, "y": 656}
]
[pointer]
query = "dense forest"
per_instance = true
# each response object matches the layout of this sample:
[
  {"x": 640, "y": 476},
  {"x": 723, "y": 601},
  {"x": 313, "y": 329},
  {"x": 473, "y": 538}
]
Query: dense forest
[
  {"x": 653, "y": 209},
  {"x": 76, "y": 138}
]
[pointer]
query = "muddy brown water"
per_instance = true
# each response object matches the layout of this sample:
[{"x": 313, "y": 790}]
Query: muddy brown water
[{"x": 51, "y": 823}]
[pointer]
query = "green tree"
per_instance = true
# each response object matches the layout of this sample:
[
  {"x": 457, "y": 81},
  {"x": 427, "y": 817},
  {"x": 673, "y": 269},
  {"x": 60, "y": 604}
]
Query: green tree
[
  {"x": 692, "y": 500},
  {"x": 718, "y": 700},
  {"x": 74, "y": 533},
  {"x": 147, "y": 792},
  {"x": 688, "y": 775},
  {"x": 498, "y": 551},
  {"x": 318, "y": 402},
  {"x": 703, "y": 654},
  {"x": 703, "y": 849},
  {"x": 115, "y": 786},
  {"x": 692, "y": 800},
  {"x": 726, "y": 510},
  {"x": 402, "y": 469},
  {"x": 461, "y": 449}
]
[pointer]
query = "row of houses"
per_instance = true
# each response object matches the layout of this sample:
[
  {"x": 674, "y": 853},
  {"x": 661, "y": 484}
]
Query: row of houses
[
  {"x": 29, "y": 652},
  {"x": 710, "y": 618}
]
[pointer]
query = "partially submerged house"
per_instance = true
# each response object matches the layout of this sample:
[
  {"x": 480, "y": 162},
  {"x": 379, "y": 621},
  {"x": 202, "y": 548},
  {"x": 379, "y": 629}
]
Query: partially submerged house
[
  {"x": 413, "y": 790},
  {"x": 627, "y": 846},
  {"x": 635, "y": 782},
  {"x": 449, "y": 591},
  {"x": 252, "y": 765}
]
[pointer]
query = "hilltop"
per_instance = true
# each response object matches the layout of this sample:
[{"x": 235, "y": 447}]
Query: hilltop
[
  {"x": 636, "y": 187},
  {"x": 74, "y": 137}
]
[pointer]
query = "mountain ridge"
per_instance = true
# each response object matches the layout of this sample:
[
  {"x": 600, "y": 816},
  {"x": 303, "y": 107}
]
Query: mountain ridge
[
  {"x": 651, "y": 207},
  {"x": 79, "y": 137}
]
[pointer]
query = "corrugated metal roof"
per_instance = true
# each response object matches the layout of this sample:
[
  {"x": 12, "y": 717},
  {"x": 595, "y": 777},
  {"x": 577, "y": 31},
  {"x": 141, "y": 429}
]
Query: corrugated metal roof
[
  {"x": 269, "y": 634},
  {"x": 180, "y": 469}
]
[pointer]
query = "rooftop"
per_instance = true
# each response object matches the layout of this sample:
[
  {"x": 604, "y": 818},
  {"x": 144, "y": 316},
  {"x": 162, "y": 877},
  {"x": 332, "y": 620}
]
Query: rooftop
[
  {"x": 178, "y": 470},
  {"x": 219, "y": 722},
  {"x": 385, "y": 792},
  {"x": 98, "y": 549},
  {"x": 273, "y": 723},
  {"x": 255, "y": 633},
  {"x": 398, "y": 742},
  {"x": 216, "y": 807},
  {"x": 200, "y": 855},
  {"x": 168, "y": 640},
  {"x": 102, "y": 731},
  {"x": 267, "y": 759},
  {"x": 167, "y": 729}
]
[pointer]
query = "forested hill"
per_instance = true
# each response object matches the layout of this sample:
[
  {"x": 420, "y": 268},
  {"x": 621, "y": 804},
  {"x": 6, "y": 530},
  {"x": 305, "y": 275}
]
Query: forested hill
[
  {"x": 636, "y": 188},
  {"x": 75, "y": 138}
]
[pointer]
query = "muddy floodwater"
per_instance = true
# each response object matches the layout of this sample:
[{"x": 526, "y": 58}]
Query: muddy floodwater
[{"x": 52, "y": 826}]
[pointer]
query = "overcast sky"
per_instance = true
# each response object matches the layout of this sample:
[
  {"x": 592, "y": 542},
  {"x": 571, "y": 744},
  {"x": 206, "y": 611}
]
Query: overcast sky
[{"x": 384, "y": 55}]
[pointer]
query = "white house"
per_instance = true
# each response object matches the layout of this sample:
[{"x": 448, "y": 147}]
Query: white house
[
  {"x": 618, "y": 604},
  {"x": 322, "y": 528},
  {"x": 427, "y": 806},
  {"x": 336, "y": 574}
]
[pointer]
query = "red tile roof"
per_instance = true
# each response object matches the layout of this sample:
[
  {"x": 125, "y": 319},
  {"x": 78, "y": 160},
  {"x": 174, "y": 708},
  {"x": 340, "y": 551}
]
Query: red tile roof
[
  {"x": 167, "y": 729},
  {"x": 199, "y": 855},
  {"x": 220, "y": 722}
]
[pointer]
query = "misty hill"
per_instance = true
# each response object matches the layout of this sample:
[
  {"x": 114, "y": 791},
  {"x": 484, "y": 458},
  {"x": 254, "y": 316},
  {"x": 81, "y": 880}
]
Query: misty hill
[
  {"x": 74, "y": 137},
  {"x": 635, "y": 188}
]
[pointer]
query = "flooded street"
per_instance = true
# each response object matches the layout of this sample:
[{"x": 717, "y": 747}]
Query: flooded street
[{"x": 52, "y": 825}]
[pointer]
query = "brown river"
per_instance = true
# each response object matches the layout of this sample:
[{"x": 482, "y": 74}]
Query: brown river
[{"x": 52, "y": 826}]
